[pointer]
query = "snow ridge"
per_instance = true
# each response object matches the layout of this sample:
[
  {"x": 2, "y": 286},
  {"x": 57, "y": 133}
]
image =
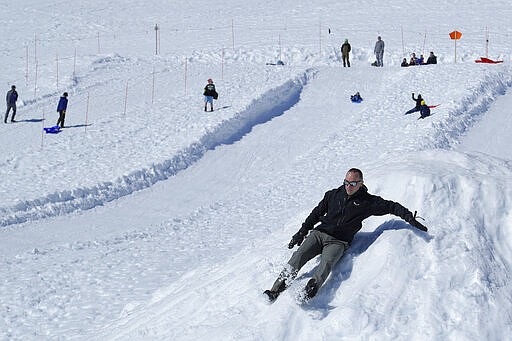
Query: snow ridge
[
  {"x": 271, "y": 104},
  {"x": 471, "y": 108}
]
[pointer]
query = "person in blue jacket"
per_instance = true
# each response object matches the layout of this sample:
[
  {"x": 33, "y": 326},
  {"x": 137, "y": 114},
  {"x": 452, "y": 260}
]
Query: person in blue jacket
[
  {"x": 11, "y": 98},
  {"x": 61, "y": 109}
]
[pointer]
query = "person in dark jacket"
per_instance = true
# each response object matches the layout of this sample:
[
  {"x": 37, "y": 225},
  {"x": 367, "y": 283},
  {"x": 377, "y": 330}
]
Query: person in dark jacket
[
  {"x": 424, "y": 110},
  {"x": 432, "y": 59},
  {"x": 340, "y": 214},
  {"x": 11, "y": 98},
  {"x": 418, "y": 104},
  {"x": 404, "y": 63},
  {"x": 61, "y": 109},
  {"x": 209, "y": 94},
  {"x": 345, "y": 50}
]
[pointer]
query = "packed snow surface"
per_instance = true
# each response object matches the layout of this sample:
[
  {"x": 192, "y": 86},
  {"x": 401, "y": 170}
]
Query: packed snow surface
[{"x": 148, "y": 218}]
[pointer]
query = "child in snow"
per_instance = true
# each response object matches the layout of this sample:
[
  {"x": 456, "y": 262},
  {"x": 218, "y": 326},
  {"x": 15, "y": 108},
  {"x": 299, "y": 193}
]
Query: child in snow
[
  {"x": 424, "y": 110},
  {"x": 418, "y": 104},
  {"x": 209, "y": 94},
  {"x": 356, "y": 98}
]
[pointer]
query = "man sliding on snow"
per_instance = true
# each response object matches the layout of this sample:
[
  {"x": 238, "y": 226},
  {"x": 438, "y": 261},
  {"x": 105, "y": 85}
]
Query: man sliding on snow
[{"x": 340, "y": 214}]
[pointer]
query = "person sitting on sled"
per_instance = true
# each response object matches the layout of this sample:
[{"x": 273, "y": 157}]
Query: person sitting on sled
[{"x": 356, "y": 98}]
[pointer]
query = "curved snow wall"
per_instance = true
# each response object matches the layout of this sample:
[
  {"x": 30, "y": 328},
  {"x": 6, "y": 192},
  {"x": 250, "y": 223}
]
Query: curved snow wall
[{"x": 273, "y": 103}]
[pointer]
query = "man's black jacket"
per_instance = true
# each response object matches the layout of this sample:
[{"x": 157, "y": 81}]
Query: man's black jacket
[{"x": 341, "y": 216}]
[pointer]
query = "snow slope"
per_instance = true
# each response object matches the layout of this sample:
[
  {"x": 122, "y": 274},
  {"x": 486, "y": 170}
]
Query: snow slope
[{"x": 148, "y": 218}]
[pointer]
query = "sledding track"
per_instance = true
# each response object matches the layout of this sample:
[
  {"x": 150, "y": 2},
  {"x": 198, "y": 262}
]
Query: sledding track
[{"x": 271, "y": 104}]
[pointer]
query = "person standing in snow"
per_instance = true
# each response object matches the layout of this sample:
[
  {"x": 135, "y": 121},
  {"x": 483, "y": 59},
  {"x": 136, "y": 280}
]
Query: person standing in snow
[
  {"x": 209, "y": 94},
  {"x": 418, "y": 104},
  {"x": 11, "y": 98},
  {"x": 345, "y": 50},
  {"x": 432, "y": 59},
  {"x": 379, "y": 51},
  {"x": 61, "y": 109},
  {"x": 340, "y": 214}
]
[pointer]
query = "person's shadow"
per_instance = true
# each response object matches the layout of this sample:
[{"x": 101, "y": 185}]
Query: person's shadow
[
  {"x": 31, "y": 120},
  {"x": 343, "y": 269},
  {"x": 78, "y": 126}
]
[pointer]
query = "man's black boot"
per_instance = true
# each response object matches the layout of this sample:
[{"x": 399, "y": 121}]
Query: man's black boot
[
  {"x": 273, "y": 294},
  {"x": 311, "y": 289}
]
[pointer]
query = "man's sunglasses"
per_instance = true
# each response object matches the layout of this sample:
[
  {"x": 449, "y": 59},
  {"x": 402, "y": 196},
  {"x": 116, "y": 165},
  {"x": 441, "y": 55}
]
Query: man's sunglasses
[{"x": 351, "y": 183}]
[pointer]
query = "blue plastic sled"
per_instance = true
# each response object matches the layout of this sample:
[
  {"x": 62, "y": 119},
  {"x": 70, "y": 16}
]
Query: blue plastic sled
[
  {"x": 52, "y": 130},
  {"x": 359, "y": 100}
]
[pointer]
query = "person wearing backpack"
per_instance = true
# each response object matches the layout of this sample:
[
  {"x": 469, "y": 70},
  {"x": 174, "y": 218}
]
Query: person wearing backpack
[
  {"x": 424, "y": 110},
  {"x": 209, "y": 94}
]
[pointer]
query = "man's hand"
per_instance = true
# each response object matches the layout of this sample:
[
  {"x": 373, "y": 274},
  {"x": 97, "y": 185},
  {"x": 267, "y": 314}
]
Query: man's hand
[
  {"x": 418, "y": 225},
  {"x": 297, "y": 239},
  {"x": 411, "y": 219}
]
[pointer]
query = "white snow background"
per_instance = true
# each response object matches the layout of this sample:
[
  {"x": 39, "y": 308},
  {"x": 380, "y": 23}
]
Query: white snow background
[{"x": 150, "y": 219}]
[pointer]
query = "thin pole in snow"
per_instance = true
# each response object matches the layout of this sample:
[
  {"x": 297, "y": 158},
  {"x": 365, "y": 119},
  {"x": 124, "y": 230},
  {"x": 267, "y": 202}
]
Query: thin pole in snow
[
  {"x": 35, "y": 82},
  {"x": 455, "y": 51},
  {"x": 486, "y": 42},
  {"x": 42, "y": 131},
  {"x": 222, "y": 65},
  {"x": 280, "y": 53},
  {"x": 233, "y": 33},
  {"x": 74, "y": 64},
  {"x": 153, "y": 88},
  {"x": 403, "y": 47},
  {"x": 57, "y": 62},
  {"x": 26, "y": 65},
  {"x": 156, "y": 39},
  {"x": 98, "y": 36},
  {"x": 86, "y": 112},
  {"x": 125, "y": 97},
  {"x": 320, "y": 36},
  {"x": 186, "y": 66},
  {"x": 424, "y": 39},
  {"x": 35, "y": 47}
]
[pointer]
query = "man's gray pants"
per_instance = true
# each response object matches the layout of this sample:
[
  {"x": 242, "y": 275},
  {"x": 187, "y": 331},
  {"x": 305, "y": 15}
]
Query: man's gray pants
[
  {"x": 316, "y": 243},
  {"x": 380, "y": 58}
]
